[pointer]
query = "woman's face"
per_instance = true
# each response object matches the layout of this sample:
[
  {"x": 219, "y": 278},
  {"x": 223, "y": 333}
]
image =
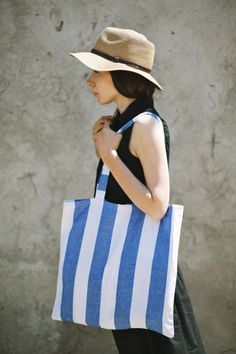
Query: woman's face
[{"x": 101, "y": 84}]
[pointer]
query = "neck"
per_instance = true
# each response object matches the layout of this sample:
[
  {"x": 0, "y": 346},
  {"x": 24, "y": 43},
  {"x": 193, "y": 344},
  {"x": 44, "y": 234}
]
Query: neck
[{"x": 123, "y": 102}]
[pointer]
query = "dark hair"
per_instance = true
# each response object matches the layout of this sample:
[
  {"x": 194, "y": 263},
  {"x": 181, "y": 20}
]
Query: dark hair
[{"x": 132, "y": 85}]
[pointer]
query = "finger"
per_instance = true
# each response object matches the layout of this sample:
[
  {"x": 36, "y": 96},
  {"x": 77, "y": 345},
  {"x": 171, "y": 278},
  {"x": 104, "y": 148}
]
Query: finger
[
  {"x": 97, "y": 131},
  {"x": 95, "y": 136},
  {"x": 104, "y": 118},
  {"x": 97, "y": 127},
  {"x": 107, "y": 123},
  {"x": 101, "y": 121},
  {"x": 100, "y": 124}
]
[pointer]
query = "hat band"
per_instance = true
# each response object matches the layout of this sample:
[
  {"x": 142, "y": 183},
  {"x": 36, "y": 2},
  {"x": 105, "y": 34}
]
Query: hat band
[{"x": 120, "y": 60}]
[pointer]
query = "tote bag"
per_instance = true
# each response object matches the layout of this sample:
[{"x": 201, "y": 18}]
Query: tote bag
[{"x": 117, "y": 266}]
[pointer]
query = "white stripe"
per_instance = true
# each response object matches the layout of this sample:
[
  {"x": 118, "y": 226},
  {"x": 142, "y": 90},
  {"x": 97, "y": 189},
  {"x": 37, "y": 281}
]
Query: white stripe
[
  {"x": 142, "y": 274},
  {"x": 105, "y": 170},
  {"x": 66, "y": 225},
  {"x": 85, "y": 260},
  {"x": 168, "y": 315},
  {"x": 100, "y": 195},
  {"x": 111, "y": 271}
]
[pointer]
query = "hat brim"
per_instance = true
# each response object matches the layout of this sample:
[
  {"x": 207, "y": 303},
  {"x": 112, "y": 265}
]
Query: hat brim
[{"x": 98, "y": 63}]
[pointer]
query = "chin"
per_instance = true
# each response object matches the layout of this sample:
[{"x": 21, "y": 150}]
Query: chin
[{"x": 103, "y": 102}]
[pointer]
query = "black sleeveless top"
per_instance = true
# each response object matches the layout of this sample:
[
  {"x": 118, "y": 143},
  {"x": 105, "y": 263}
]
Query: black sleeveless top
[{"x": 114, "y": 193}]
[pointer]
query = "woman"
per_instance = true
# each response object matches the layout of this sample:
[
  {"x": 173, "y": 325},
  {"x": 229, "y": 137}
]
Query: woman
[{"x": 138, "y": 161}]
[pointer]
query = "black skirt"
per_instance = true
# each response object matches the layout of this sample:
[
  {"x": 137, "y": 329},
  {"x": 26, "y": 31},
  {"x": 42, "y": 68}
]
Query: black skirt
[{"x": 187, "y": 339}]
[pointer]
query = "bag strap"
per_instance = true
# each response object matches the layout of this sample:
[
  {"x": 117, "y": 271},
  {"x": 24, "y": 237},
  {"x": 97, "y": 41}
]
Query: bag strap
[{"x": 103, "y": 178}]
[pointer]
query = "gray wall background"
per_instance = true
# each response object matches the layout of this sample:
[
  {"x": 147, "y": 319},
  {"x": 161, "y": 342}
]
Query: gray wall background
[{"x": 47, "y": 155}]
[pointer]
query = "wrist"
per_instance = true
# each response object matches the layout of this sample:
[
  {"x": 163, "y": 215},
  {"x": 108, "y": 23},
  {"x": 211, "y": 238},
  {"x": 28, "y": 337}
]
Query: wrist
[{"x": 109, "y": 157}]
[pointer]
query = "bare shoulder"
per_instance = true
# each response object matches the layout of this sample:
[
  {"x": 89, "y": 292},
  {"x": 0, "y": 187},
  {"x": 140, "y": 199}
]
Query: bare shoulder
[
  {"x": 146, "y": 124},
  {"x": 147, "y": 135}
]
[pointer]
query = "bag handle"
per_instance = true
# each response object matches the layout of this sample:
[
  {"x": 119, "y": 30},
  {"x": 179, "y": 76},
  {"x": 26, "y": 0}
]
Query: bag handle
[{"x": 103, "y": 178}]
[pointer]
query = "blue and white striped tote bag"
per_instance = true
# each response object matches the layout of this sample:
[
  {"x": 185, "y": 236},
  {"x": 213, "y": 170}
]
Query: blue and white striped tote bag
[{"x": 117, "y": 266}]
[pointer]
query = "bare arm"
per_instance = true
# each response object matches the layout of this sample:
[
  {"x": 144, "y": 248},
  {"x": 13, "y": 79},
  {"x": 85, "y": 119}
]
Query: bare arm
[{"x": 149, "y": 146}]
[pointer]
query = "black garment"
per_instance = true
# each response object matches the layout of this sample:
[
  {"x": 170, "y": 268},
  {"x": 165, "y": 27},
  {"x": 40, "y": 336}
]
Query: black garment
[
  {"x": 114, "y": 193},
  {"x": 142, "y": 341}
]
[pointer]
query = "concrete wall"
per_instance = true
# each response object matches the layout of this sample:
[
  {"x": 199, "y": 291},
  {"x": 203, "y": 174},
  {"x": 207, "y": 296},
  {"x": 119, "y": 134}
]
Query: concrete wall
[{"x": 47, "y": 155}]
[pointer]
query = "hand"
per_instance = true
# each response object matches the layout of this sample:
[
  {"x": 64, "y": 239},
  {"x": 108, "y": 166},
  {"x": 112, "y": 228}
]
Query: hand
[
  {"x": 98, "y": 126},
  {"x": 105, "y": 139}
]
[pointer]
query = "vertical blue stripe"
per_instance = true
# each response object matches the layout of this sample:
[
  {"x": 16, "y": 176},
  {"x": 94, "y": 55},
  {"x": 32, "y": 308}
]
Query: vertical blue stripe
[
  {"x": 102, "y": 184},
  {"x": 100, "y": 255},
  {"x": 71, "y": 257},
  {"x": 127, "y": 269},
  {"x": 157, "y": 288}
]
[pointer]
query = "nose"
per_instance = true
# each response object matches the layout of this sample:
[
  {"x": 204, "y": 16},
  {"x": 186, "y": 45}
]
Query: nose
[{"x": 90, "y": 81}]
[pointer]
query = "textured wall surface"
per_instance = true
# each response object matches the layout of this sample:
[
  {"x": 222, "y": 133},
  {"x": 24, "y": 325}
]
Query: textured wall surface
[{"x": 47, "y": 156}]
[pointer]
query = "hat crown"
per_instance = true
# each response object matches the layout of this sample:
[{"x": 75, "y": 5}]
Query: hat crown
[{"x": 126, "y": 44}]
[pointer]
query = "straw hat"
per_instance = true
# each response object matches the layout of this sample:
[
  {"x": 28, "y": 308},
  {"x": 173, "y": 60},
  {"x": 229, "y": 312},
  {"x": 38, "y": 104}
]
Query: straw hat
[{"x": 121, "y": 49}]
